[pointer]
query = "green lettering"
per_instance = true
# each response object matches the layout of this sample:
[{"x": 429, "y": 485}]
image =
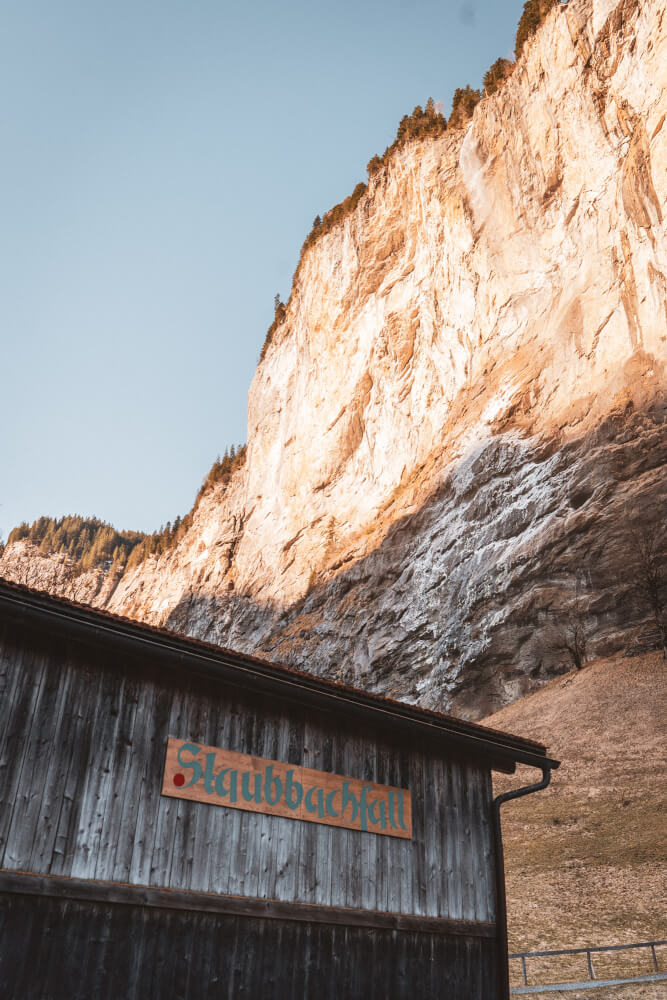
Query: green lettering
[
  {"x": 382, "y": 818},
  {"x": 245, "y": 787},
  {"x": 209, "y": 777},
  {"x": 363, "y": 806},
  {"x": 273, "y": 787},
  {"x": 293, "y": 802},
  {"x": 194, "y": 766},
  {"x": 318, "y": 806},
  {"x": 392, "y": 809},
  {"x": 220, "y": 782},
  {"x": 233, "y": 786},
  {"x": 329, "y": 803},
  {"x": 349, "y": 798},
  {"x": 232, "y": 790}
]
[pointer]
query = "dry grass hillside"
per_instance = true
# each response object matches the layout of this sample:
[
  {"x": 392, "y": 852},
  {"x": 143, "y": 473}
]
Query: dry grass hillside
[{"x": 586, "y": 859}]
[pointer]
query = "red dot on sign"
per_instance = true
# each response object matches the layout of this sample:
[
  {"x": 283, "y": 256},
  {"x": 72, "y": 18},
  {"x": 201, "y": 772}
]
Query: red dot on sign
[{"x": 179, "y": 779}]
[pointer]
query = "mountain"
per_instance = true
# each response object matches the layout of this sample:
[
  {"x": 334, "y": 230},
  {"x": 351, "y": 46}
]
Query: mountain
[{"x": 459, "y": 415}]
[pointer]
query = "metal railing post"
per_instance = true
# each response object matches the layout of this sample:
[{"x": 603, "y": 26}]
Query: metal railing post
[{"x": 588, "y": 952}]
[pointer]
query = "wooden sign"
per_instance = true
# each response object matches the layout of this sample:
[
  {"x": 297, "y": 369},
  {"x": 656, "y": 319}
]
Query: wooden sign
[{"x": 225, "y": 778}]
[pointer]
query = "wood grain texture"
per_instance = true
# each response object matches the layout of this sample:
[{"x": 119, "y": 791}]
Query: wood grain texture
[
  {"x": 64, "y": 949},
  {"x": 93, "y": 890},
  {"x": 82, "y": 755}
]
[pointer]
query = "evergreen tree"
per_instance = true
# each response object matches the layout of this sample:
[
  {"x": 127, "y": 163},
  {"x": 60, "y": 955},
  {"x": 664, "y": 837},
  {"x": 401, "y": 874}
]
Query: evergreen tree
[
  {"x": 534, "y": 13},
  {"x": 464, "y": 103},
  {"x": 374, "y": 164},
  {"x": 496, "y": 74}
]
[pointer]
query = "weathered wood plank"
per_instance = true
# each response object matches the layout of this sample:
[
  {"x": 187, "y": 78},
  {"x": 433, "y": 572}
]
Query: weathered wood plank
[
  {"x": 382, "y": 863},
  {"x": 64, "y": 729},
  {"x": 432, "y": 859},
  {"x": 229, "y": 820},
  {"x": 166, "y": 809},
  {"x": 207, "y": 843},
  {"x": 280, "y": 840},
  {"x": 469, "y": 860},
  {"x": 88, "y": 890},
  {"x": 17, "y": 745},
  {"x": 479, "y": 862},
  {"x": 201, "y": 839},
  {"x": 39, "y": 741},
  {"x": 452, "y": 834},
  {"x": 353, "y": 757},
  {"x": 407, "y": 863},
  {"x": 126, "y": 952},
  {"x": 98, "y": 777},
  {"x": 75, "y": 753},
  {"x": 136, "y": 943},
  {"x": 463, "y": 842},
  {"x": 239, "y": 844},
  {"x": 135, "y": 846},
  {"x": 181, "y": 856},
  {"x": 220, "y": 825},
  {"x": 119, "y": 765},
  {"x": 12, "y": 677},
  {"x": 488, "y": 862},
  {"x": 394, "y": 849},
  {"x": 423, "y": 797},
  {"x": 368, "y": 845}
]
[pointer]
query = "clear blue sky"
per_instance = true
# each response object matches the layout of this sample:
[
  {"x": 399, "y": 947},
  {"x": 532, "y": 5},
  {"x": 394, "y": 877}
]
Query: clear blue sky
[{"x": 160, "y": 166}]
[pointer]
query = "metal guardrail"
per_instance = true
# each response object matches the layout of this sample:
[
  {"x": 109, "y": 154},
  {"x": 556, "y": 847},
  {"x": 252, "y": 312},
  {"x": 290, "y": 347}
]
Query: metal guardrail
[
  {"x": 656, "y": 976},
  {"x": 587, "y": 984}
]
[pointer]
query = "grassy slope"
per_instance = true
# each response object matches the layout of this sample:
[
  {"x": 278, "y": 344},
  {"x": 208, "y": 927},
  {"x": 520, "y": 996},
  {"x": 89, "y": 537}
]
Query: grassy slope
[{"x": 586, "y": 859}]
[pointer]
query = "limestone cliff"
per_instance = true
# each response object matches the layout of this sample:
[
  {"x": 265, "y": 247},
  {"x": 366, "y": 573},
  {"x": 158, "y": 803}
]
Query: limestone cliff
[{"x": 463, "y": 403}]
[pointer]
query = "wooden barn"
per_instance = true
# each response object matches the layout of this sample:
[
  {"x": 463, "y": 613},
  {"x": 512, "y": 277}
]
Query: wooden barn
[{"x": 179, "y": 820}]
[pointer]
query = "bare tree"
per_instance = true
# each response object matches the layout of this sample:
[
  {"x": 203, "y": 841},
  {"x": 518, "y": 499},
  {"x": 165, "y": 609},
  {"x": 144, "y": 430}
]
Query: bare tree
[
  {"x": 646, "y": 570},
  {"x": 566, "y": 634}
]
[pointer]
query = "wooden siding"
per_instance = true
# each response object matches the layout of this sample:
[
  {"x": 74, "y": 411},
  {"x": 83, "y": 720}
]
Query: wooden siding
[
  {"x": 66, "y": 950},
  {"x": 82, "y": 750}
]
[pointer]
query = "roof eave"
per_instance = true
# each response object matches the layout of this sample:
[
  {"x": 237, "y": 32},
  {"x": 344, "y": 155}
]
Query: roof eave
[{"x": 220, "y": 664}]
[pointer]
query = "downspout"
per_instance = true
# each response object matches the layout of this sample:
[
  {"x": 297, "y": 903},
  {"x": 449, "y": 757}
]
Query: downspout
[{"x": 501, "y": 901}]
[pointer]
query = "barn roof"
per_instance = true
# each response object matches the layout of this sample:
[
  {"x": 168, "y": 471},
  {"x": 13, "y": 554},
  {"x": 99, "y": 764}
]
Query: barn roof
[{"x": 36, "y": 608}]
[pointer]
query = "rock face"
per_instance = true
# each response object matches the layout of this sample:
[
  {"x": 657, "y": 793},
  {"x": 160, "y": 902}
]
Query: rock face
[{"x": 464, "y": 402}]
